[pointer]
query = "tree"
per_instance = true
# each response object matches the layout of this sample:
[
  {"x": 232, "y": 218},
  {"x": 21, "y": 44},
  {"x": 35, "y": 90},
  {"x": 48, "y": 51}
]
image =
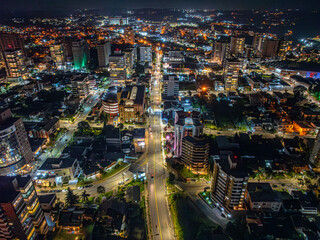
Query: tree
[
  {"x": 71, "y": 198},
  {"x": 84, "y": 196},
  {"x": 101, "y": 189},
  {"x": 84, "y": 126},
  {"x": 171, "y": 178}
]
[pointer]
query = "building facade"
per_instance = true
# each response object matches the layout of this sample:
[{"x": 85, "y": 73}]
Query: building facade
[
  {"x": 58, "y": 55},
  {"x": 229, "y": 184},
  {"x": 15, "y": 149},
  {"x": 104, "y": 51},
  {"x": 186, "y": 124},
  {"x": 195, "y": 154},
  {"x": 231, "y": 74},
  {"x": 80, "y": 52},
  {"x": 117, "y": 65},
  {"x": 170, "y": 85}
]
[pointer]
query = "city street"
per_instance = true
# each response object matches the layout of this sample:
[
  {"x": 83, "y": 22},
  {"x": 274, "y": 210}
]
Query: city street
[{"x": 159, "y": 211}]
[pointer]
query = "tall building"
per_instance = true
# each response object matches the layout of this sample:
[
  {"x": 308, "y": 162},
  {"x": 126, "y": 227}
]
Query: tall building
[
  {"x": 110, "y": 103},
  {"x": 24, "y": 186},
  {"x": 10, "y": 41},
  {"x": 237, "y": 46},
  {"x": 67, "y": 43},
  {"x": 145, "y": 54},
  {"x": 129, "y": 56},
  {"x": 117, "y": 65},
  {"x": 80, "y": 86},
  {"x": 257, "y": 44},
  {"x": 104, "y": 51},
  {"x": 229, "y": 183},
  {"x": 58, "y": 55},
  {"x": 15, "y": 150},
  {"x": 221, "y": 51},
  {"x": 14, "y": 216},
  {"x": 170, "y": 85},
  {"x": 270, "y": 48},
  {"x": 80, "y": 52},
  {"x": 231, "y": 74},
  {"x": 129, "y": 35},
  {"x": 14, "y": 62},
  {"x": 186, "y": 124},
  {"x": 195, "y": 154}
]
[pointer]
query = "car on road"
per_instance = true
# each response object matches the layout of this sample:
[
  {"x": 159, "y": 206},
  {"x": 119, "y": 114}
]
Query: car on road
[
  {"x": 88, "y": 186},
  {"x": 152, "y": 176},
  {"x": 120, "y": 183}
]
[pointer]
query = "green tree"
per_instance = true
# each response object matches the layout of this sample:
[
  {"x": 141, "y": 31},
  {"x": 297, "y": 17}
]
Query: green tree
[
  {"x": 71, "y": 198},
  {"x": 101, "y": 189},
  {"x": 85, "y": 196}
]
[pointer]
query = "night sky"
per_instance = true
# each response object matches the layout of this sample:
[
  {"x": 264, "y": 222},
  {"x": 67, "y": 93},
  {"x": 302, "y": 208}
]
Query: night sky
[{"x": 108, "y": 4}]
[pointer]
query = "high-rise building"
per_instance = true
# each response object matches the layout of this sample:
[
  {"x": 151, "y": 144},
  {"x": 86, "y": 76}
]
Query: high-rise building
[
  {"x": 231, "y": 74},
  {"x": 80, "y": 52},
  {"x": 186, "y": 124},
  {"x": 14, "y": 62},
  {"x": 129, "y": 56},
  {"x": 270, "y": 48},
  {"x": 195, "y": 154},
  {"x": 221, "y": 51},
  {"x": 67, "y": 43},
  {"x": 129, "y": 35},
  {"x": 145, "y": 54},
  {"x": 15, "y": 150},
  {"x": 117, "y": 64},
  {"x": 257, "y": 44},
  {"x": 80, "y": 86},
  {"x": 104, "y": 51},
  {"x": 25, "y": 186},
  {"x": 110, "y": 103},
  {"x": 170, "y": 85},
  {"x": 237, "y": 46},
  {"x": 14, "y": 216},
  {"x": 58, "y": 55},
  {"x": 10, "y": 41},
  {"x": 229, "y": 183}
]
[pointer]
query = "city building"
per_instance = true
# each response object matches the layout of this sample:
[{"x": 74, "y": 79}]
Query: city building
[
  {"x": 261, "y": 197},
  {"x": 80, "y": 52},
  {"x": 129, "y": 35},
  {"x": 186, "y": 124},
  {"x": 45, "y": 129},
  {"x": 270, "y": 48},
  {"x": 117, "y": 65},
  {"x": 25, "y": 186},
  {"x": 237, "y": 46},
  {"x": 15, "y": 66},
  {"x": 58, "y": 55},
  {"x": 118, "y": 21},
  {"x": 145, "y": 54},
  {"x": 110, "y": 103},
  {"x": 195, "y": 154},
  {"x": 284, "y": 47},
  {"x": 104, "y": 51},
  {"x": 15, "y": 149},
  {"x": 231, "y": 74},
  {"x": 221, "y": 51},
  {"x": 131, "y": 103},
  {"x": 129, "y": 56},
  {"x": 56, "y": 171},
  {"x": 10, "y": 41},
  {"x": 80, "y": 87},
  {"x": 14, "y": 216},
  {"x": 229, "y": 183},
  {"x": 170, "y": 85},
  {"x": 139, "y": 138},
  {"x": 257, "y": 44}
]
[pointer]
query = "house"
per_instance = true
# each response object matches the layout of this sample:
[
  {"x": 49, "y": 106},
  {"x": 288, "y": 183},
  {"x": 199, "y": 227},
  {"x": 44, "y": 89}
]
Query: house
[{"x": 261, "y": 197}]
